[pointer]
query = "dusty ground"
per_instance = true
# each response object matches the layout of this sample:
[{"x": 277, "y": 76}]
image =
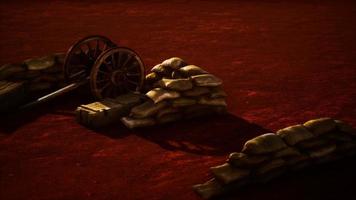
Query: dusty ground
[{"x": 282, "y": 63}]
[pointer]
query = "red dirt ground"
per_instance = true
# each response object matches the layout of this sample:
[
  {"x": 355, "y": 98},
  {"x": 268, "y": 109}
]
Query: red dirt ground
[{"x": 282, "y": 63}]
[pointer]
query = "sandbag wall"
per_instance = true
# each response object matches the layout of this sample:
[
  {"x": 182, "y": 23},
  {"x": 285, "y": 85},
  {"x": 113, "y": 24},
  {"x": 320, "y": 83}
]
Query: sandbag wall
[
  {"x": 21, "y": 81},
  {"x": 176, "y": 90},
  {"x": 270, "y": 155}
]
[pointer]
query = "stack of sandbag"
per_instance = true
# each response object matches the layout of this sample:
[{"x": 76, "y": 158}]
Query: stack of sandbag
[
  {"x": 33, "y": 75},
  {"x": 38, "y": 73},
  {"x": 270, "y": 155},
  {"x": 176, "y": 90}
]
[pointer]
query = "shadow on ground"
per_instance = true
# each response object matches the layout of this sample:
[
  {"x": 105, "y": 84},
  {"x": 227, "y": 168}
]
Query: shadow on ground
[{"x": 211, "y": 135}]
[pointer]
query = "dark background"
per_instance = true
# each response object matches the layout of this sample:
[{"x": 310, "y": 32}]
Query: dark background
[{"x": 282, "y": 63}]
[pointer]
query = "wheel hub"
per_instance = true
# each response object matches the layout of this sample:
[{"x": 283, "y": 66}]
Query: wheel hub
[{"x": 117, "y": 77}]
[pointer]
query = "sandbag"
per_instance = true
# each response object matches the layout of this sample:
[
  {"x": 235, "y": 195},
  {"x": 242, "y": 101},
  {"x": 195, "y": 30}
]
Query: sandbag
[
  {"x": 159, "y": 94},
  {"x": 291, "y": 161},
  {"x": 245, "y": 161},
  {"x": 266, "y": 143},
  {"x": 152, "y": 78},
  {"x": 227, "y": 174},
  {"x": 320, "y": 126},
  {"x": 40, "y": 63},
  {"x": 174, "y": 63},
  {"x": 10, "y": 70},
  {"x": 272, "y": 174},
  {"x": 147, "y": 109},
  {"x": 338, "y": 136},
  {"x": 192, "y": 70},
  {"x": 287, "y": 152},
  {"x": 136, "y": 123},
  {"x": 269, "y": 166},
  {"x": 162, "y": 70},
  {"x": 182, "y": 102},
  {"x": 217, "y": 92},
  {"x": 294, "y": 134},
  {"x": 322, "y": 151},
  {"x": 208, "y": 80},
  {"x": 209, "y": 189},
  {"x": 212, "y": 101},
  {"x": 176, "y": 84},
  {"x": 167, "y": 110},
  {"x": 196, "y": 91},
  {"x": 346, "y": 128},
  {"x": 313, "y": 143},
  {"x": 169, "y": 117}
]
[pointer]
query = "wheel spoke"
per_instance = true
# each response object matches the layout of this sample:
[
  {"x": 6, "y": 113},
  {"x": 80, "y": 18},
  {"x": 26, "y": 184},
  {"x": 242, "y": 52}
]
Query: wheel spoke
[
  {"x": 132, "y": 74},
  {"x": 108, "y": 65},
  {"x": 96, "y": 48},
  {"x": 118, "y": 59},
  {"x": 129, "y": 57},
  {"x": 113, "y": 61},
  {"x": 105, "y": 46},
  {"x": 104, "y": 73},
  {"x": 103, "y": 80},
  {"x": 104, "y": 87},
  {"x": 131, "y": 81}
]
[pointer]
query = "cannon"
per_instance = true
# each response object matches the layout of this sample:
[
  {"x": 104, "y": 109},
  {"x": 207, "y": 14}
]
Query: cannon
[{"x": 110, "y": 70}]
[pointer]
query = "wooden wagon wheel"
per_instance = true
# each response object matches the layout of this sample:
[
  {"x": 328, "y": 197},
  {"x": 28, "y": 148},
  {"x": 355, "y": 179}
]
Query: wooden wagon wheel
[
  {"x": 117, "y": 71},
  {"x": 82, "y": 55}
]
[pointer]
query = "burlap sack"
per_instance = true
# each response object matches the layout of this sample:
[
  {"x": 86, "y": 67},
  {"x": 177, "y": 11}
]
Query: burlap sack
[
  {"x": 269, "y": 166},
  {"x": 159, "y": 94},
  {"x": 166, "y": 111},
  {"x": 209, "y": 189},
  {"x": 338, "y": 136},
  {"x": 55, "y": 69},
  {"x": 196, "y": 91},
  {"x": 176, "y": 84},
  {"x": 182, "y": 102},
  {"x": 59, "y": 58},
  {"x": 170, "y": 117},
  {"x": 294, "y": 134},
  {"x": 322, "y": 151},
  {"x": 174, "y": 63},
  {"x": 313, "y": 143},
  {"x": 344, "y": 127},
  {"x": 246, "y": 161},
  {"x": 152, "y": 78},
  {"x": 287, "y": 152},
  {"x": 217, "y": 92},
  {"x": 136, "y": 123},
  {"x": 212, "y": 101},
  {"x": 345, "y": 147},
  {"x": 147, "y": 109},
  {"x": 270, "y": 175},
  {"x": 192, "y": 70},
  {"x": 10, "y": 70},
  {"x": 228, "y": 174},
  {"x": 266, "y": 143},
  {"x": 40, "y": 63},
  {"x": 291, "y": 161},
  {"x": 320, "y": 126},
  {"x": 162, "y": 70},
  {"x": 208, "y": 80}
]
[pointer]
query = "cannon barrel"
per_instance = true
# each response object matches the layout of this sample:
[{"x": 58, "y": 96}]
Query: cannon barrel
[{"x": 54, "y": 94}]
